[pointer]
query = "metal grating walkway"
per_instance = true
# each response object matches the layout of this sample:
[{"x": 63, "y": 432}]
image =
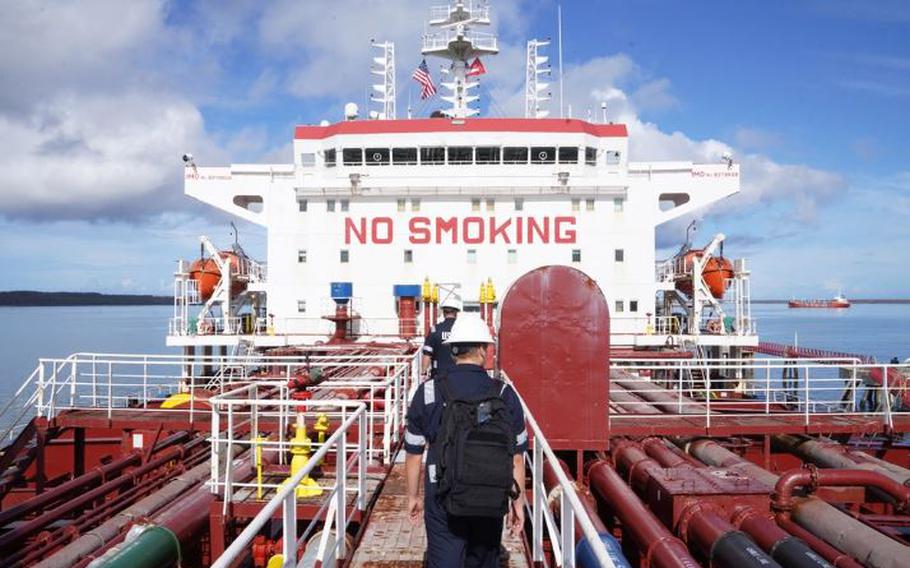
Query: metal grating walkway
[{"x": 390, "y": 541}]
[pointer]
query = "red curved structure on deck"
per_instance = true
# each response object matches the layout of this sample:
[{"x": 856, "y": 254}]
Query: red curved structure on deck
[{"x": 554, "y": 339}]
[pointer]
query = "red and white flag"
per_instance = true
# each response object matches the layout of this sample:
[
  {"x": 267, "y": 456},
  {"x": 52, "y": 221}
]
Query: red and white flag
[
  {"x": 422, "y": 76},
  {"x": 476, "y": 68}
]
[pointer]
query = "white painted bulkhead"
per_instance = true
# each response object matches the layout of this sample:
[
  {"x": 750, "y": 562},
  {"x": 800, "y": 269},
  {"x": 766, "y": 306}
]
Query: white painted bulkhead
[{"x": 314, "y": 211}]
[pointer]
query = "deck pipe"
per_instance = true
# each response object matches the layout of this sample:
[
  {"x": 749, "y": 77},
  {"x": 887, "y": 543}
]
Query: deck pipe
[
  {"x": 111, "y": 529},
  {"x": 33, "y": 525},
  {"x": 701, "y": 524},
  {"x": 584, "y": 554},
  {"x": 180, "y": 522},
  {"x": 670, "y": 402},
  {"x": 833, "y": 455},
  {"x": 100, "y": 473},
  {"x": 655, "y": 541},
  {"x": 844, "y": 533},
  {"x": 787, "y": 549},
  {"x": 810, "y": 478}
]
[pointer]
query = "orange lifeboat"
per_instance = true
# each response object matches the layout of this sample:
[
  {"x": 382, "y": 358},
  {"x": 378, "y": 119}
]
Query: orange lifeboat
[
  {"x": 206, "y": 273},
  {"x": 716, "y": 272}
]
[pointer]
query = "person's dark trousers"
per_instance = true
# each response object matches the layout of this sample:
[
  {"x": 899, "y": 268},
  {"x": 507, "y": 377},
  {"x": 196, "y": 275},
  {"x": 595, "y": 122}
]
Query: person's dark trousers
[{"x": 454, "y": 542}]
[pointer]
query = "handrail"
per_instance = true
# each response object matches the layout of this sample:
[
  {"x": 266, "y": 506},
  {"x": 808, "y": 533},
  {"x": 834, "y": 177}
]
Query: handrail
[
  {"x": 287, "y": 497},
  {"x": 571, "y": 511}
]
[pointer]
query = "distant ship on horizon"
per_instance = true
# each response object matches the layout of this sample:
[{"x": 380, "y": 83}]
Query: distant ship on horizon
[{"x": 837, "y": 302}]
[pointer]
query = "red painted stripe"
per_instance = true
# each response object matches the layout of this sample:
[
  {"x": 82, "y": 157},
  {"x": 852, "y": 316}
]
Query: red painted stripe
[{"x": 419, "y": 125}]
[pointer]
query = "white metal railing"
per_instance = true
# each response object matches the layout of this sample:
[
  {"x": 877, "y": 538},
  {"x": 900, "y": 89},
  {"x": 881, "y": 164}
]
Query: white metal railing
[
  {"x": 334, "y": 510},
  {"x": 544, "y": 524},
  {"x": 442, "y": 39},
  {"x": 479, "y": 11},
  {"x": 135, "y": 383},
  {"x": 776, "y": 387}
]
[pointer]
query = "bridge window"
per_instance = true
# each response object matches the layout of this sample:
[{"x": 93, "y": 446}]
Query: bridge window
[
  {"x": 633, "y": 305},
  {"x": 301, "y": 256},
  {"x": 404, "y": 156},
  {"x": 519, "y": 204},
  {"x": 461, "y": 155},
  {"x": 345, "y": 205},
  {"x": 576, "y": 255},
  {"x": 301, "y": 306},
  {"x": 619, "y": 255},
  {"x": 514, "y": 155},
  {"x": 345, "y": 256},
  {"x": 487, "y": 155},
  {"x": 576, "y": 205},
  {"x": 491, "y": 205},
  {"x": 543, "y": 155},
  {"x": 330, "y": 158},
  {"x": 612, "y": 157},
  {"x": 402, "y": 203},
  {"x": 472, "y": 256},
  {"x": 591, "y": 156},
  {"x": 475, "y": 204},
  {"x": 512, "y": 256},
  {"x": 330, "y": 205},
  {"x": 589, "y": 204},
  {"x": 352, "y": 156},
  {"x": 618, "y": 204},
  {"x": 378, "y": 156},
  {"x": 408, "y": 256},
  {"x": 433, "y": 156},
  {"x": 415, "y": 205},
  {"x": 301, "y": 205},
  {"x": 620, "y": 307},
  {"x": 568, "y": 155}
]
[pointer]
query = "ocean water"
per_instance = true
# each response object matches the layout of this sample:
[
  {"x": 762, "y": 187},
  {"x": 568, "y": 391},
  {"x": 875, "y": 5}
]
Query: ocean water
[
  {"x": 29, "y": 333},
  {"x": 880, "y": 330}
]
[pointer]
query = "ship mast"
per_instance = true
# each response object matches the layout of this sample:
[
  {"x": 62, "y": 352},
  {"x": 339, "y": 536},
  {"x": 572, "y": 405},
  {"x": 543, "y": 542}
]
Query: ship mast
[{"x": 456, "y": 42}]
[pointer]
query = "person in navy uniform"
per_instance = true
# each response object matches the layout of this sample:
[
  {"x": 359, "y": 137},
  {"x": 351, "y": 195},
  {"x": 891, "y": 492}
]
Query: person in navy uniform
[
  {"x": 437, "y": 356},
  {"x": 459, "y": 541}
]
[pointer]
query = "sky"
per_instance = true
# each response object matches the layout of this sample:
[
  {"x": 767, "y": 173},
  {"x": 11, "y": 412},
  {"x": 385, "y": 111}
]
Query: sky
[{"x": 99, "y": 99}]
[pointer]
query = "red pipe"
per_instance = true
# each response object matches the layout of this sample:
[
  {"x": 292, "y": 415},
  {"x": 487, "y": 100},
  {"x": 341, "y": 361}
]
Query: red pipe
[
  {"x": 88, "y": 478},
  {"x": 700, "y": 523},
  {"x": 407, "y": 317},
  {"x": 131, "y": 477},
  {"x": 56, "y": 493},
  {"x": 812, "y": 478},
  {"x": 658, "y": 545}
]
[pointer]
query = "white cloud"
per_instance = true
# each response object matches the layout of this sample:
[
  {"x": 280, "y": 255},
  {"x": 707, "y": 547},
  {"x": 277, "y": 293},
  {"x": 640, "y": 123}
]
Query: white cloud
[{"x": 83, "y": 156}]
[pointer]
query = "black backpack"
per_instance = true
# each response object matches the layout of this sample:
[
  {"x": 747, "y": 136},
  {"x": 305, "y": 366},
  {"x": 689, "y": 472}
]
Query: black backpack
[{"x": 476, "y": 445}]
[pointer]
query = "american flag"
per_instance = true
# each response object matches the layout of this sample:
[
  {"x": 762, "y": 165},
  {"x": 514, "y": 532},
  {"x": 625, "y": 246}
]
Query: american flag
[{"x": 422, "y": 76}]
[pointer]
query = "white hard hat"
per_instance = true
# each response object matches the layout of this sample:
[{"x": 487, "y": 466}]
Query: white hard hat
[
  {"x": 469, "y": 328},
  {"x": 451, "y": 302}
]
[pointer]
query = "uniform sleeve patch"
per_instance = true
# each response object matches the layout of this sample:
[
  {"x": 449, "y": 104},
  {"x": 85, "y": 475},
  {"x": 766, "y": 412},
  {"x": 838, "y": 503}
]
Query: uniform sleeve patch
[{"x": 429, "y": 392}]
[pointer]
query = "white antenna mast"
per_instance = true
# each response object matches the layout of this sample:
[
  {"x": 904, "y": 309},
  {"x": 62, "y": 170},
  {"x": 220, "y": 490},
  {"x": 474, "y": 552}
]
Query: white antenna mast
[
  {"x": 456, "y": 42},
  {"x": 534, "y": 87},
  {"x": 559, "y": 33},
  {"x": 384, "y": 66}
]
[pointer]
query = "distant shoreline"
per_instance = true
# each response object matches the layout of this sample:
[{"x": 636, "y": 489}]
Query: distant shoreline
[
  {"x": 30, "y": 299},
  {"x": 852, "y": 301}
]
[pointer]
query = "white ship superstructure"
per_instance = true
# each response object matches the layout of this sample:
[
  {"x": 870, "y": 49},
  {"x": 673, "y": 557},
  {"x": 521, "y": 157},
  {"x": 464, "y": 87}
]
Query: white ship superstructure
[{"x": 382, "y": 206}]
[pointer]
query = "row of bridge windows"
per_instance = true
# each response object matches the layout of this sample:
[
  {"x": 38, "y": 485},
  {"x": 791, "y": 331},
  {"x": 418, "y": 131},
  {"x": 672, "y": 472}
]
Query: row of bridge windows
[{"x": 462, "y": 155}]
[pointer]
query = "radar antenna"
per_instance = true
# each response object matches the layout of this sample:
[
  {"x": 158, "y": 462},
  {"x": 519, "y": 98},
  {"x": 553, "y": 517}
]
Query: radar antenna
[{"x": 456, "y": 42}]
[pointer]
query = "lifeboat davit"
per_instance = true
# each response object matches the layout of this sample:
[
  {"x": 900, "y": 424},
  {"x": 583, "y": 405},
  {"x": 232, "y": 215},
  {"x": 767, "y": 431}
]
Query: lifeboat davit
[
  {"x": 716, "y": 272},
  {"x": 207, "y": 274}
]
